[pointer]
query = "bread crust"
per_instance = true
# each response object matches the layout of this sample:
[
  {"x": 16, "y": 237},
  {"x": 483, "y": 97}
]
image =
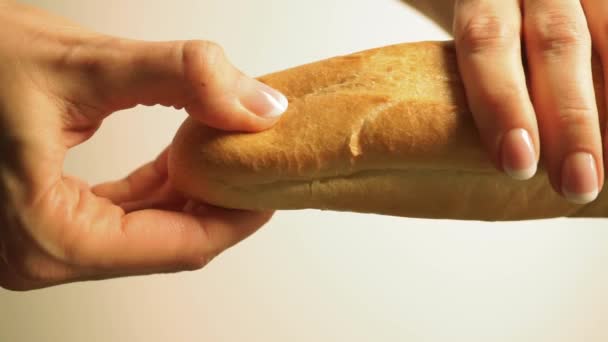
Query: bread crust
[{"x": 385, "y": 131}]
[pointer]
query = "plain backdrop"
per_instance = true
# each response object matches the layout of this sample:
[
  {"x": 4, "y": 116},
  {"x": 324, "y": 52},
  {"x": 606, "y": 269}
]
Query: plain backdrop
[{"x": 310, "y": 275}]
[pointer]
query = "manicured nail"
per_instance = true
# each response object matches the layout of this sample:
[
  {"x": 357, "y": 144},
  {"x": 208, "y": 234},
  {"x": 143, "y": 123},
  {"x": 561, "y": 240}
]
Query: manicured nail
[
  {"x": 261, "y": 99},
  {"x": 518, "y": 156},
  {"x": 579, "y": 178}
]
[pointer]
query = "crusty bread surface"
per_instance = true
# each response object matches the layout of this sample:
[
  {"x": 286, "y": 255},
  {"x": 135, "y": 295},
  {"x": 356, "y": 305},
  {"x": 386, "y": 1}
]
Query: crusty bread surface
[{"x": 385, "y": 131}]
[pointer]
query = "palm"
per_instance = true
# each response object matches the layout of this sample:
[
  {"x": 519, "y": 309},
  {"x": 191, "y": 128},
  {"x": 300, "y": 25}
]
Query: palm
[{"x": 133, "y": 226}]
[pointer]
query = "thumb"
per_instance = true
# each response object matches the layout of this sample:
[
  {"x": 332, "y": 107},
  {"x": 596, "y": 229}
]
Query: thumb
[{"x": 195, "y": 75}]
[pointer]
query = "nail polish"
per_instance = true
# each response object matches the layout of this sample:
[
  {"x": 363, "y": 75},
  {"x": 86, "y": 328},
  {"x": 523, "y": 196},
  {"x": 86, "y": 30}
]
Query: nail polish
[
  {"x": 579, "y": 178},
  {"x": 518, "y": 155},
  {"x": 262, "y": 100}
]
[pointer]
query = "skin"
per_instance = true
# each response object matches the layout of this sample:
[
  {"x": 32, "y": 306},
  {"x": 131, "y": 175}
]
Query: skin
[
  {"x": 554, "y": 102},
  {"x": 59, "y": 82},
  {"x": 56, "y": 229}
]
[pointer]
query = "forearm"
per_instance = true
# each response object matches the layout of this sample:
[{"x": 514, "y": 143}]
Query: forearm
[{"x": 440, "y": 11}]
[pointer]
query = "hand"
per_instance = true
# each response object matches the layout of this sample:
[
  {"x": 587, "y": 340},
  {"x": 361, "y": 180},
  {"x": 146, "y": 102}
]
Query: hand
[
  {"x": 58, "y": 84},
  {"x": 557, "y": 109}
]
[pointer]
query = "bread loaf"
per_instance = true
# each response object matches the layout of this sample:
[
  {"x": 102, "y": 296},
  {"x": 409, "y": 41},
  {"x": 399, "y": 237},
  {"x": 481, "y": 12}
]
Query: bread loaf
[{"x": 385, "y": 131}]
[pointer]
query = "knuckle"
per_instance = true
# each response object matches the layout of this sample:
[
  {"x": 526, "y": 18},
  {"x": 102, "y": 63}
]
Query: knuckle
[
  {"x": 486, "y": 32},
  {"x": 201, "y": 64},
  {"x": 90, "y": 62},
  {"x": 91, "y": 59},
  {"x": 573, "y": 116},
  {"x": 78, "y": 57},
  {"x": 558, "y": 32},
  {"x": 199, "y": 261},
  {"x": 200, "y": 58},
  {"x": 207, "y": 49},
  {"x": 499, "y": 98}
]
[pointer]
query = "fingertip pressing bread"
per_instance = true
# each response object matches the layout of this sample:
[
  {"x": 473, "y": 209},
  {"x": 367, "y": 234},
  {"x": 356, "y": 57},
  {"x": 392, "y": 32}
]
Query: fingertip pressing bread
[{"x": 385, "y": 131}]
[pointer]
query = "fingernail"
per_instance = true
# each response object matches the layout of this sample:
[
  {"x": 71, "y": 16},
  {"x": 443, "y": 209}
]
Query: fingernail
[
  {"x": 261, "y": 99},
  {"x": 518, "y": 156},
  {"x": 579, "y": 178}
]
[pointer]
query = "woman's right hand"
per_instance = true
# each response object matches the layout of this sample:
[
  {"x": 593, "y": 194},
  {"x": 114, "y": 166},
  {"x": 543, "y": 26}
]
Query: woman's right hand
[
  {"x": 59, "y": 82},
  {"x": 526, "y": 67},
  {"x": 548, "y": 104}
]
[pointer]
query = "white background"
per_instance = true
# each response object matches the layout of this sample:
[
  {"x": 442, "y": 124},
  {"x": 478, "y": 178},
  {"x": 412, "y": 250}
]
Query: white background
[{"x": 314, "y": 276}]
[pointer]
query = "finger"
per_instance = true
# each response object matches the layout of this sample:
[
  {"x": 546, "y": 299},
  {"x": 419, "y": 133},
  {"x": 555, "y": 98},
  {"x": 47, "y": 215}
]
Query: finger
[
  {"x": 166, "y": 198},
  {"x": 195, "y": 75},
  {"x": 559, "y": 54},
  {"x": 146, "y": 188},
  {"x": 32, "y": 269},
  {"x": 597, "y": 19},
  {"x": 143, "y": 240},
  {"x": 487, "y": 38},
  {"x": 140, "y": 184}
]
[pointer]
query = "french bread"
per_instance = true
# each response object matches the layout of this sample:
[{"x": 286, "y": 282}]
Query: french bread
[{"x": 384, "y": 131}]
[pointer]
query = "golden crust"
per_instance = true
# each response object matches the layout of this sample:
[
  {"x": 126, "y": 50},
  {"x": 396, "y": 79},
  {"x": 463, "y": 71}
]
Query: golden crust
[{"x": 384, "y": 131}]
